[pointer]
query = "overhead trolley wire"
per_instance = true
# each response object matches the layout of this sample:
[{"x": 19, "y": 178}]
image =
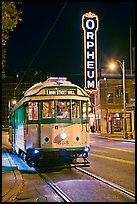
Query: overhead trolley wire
[{"x": 63, "y": 7}]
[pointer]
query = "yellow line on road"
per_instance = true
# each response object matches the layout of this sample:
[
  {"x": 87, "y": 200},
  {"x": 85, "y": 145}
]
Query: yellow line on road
[{"x": 114, "y": 159}]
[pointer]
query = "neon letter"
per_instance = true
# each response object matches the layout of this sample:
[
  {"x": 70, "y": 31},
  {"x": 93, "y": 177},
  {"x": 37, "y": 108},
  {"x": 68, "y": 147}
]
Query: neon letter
[
  {"x": 90, "y": 44},
  {"x": 91, "y": 22},
  {"x": 90, "y": 84},
  {"x": 90, "y": 55},
  {"x": 90, "y": 35}
]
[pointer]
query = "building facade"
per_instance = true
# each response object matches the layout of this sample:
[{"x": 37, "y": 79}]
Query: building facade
[{"x": 109, "y": 108}]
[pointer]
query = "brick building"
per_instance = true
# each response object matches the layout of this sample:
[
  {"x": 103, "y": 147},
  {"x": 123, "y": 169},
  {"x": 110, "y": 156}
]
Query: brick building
[{"x": 109, "y": 100}]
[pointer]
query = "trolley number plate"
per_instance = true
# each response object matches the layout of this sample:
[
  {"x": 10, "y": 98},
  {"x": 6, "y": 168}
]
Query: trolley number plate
[{"x": 64, "y": 142}]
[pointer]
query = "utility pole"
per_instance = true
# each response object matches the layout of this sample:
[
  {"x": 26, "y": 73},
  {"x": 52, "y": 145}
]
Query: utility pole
[
  {"x": 124, "y": 100},
  {"x": 130, "y": 52},
  {"x": 122, "y": 66},
  {"x": 106, "y": 86}
]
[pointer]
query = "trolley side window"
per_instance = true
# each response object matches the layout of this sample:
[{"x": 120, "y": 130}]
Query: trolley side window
[
  {"x": 84, "y": 110},
  {"x": 32, "y": 110}
]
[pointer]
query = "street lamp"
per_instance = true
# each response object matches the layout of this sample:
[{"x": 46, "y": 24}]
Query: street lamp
[
  {"x": 13, "y": 102},
  {"x": 122, "y": 66}
]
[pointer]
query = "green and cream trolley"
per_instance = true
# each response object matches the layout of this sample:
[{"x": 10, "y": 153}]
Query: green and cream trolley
[{"x": 49, "y": 125}]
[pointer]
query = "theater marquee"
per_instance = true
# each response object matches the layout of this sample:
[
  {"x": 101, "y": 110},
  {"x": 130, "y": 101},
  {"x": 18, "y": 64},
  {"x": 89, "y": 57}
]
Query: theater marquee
[{"x": 90, "y": 27}]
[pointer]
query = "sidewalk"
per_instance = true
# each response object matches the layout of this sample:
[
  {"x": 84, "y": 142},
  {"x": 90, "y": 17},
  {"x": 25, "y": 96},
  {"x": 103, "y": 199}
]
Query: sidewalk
[
  {"x": 11, "y": 178},
  {"x": 112, "y": 137},
  {"x": 12, "y": 181}
]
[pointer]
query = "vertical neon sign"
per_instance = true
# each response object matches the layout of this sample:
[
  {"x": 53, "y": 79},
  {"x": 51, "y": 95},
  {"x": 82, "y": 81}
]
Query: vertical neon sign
[{"x": 90, "y": 28}]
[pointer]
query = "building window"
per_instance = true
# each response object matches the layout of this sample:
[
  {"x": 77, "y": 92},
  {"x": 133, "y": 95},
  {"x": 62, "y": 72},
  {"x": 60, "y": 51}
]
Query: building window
[
  {"x": 117, "y": 123},
  {"x": 110, "y": 98}
]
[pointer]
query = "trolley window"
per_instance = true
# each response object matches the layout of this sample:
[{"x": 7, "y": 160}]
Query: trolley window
[
  {"x": 32, "y": 110},
  {"x": 63, "y": 109},
  {"x": 75, "y": 109},
  {"x": 84, "y": 110},
  {"x": 48, "y": 109}
]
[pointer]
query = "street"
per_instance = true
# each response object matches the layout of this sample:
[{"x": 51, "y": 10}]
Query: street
[
  {"x": 113, "y": 160},
  {"x": 110, "y": 159}
]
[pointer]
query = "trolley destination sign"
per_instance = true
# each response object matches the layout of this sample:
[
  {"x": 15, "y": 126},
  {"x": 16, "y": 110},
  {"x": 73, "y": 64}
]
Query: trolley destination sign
[
  {"x": 61, "y": 92},
  {"x": 90, "y": 27}
]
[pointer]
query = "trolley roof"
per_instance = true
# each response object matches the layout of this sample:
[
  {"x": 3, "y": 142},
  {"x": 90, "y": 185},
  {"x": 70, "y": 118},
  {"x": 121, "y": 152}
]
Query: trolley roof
[{"x": 51, "y": 82}]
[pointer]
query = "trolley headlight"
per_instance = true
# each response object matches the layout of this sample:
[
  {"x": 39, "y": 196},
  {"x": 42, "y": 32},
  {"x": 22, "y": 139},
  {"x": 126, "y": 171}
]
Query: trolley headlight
[
  {"x": 63, "y": 135},
  {"x": 86, "y": 149},
  {"x": 36, "y": 151}
]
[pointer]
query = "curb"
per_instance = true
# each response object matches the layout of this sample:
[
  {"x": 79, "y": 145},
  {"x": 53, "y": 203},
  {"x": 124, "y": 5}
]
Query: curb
[
  {"x": 115, "y": 137},
  {"x": 12, "y": 194},
  {"x": 121, "y": 139}
]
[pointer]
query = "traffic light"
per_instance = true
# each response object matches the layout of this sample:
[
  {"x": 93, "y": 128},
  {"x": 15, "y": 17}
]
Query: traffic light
[{"x": 109, "y": 118}]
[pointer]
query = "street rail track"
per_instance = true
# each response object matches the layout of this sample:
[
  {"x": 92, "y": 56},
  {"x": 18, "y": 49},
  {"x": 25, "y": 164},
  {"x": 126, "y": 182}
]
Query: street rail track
[
  {"x": 65, "y": 197},
  {"x": 59, "y": 192},
  {"x": 115, "y": 186}
]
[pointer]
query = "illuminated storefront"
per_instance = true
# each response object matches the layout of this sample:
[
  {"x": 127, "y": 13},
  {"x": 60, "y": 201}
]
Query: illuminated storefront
[{"x": 115, "y": 106}]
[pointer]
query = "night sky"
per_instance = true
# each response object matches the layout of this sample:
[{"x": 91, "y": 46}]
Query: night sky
[{"x": 46, "y": 44}]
